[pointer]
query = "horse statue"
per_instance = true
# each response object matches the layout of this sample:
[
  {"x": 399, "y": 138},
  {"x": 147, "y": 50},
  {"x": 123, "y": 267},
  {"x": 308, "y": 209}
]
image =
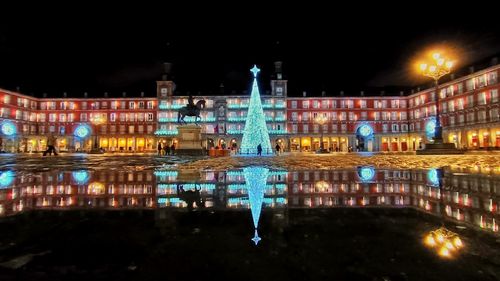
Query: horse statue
[
  {"x": 191, "y": 110},
  {"x": 191, "y": 197}
]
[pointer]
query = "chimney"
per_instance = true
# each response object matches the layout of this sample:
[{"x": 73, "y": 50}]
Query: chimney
[
  {"x": 18, "y": 89},
  {"x": 452, "y": 76},
  {"x": 412, "y": 91},
  {"x": 44, "y": 95},
  {"x": 418, "y": 89},
  {"x": 401, "y": 93},
  {"x": 142, "y": 94},
  {"x": 167, "y": 71},
  {"x": 471, "y": 69},
  {"x": 124, "y": 94},
  {"x": 221, "y": 88},
  {"x": 304, "y": 94},
  {"x": 85, "y": 95},
  {"x": 362, "y": 93},
  {"x": 341, "y": 93},
  {"x": 105, "y": 94},
  {"x": 323, "y": 93},
  {"x": 382, "y": 93},
  {"x": 65, "y": 95},
  {"x": 494, "y": 61}
]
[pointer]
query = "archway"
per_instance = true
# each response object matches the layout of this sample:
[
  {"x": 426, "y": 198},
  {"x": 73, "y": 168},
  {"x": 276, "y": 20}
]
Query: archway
[{"x": 364, "y": 138}]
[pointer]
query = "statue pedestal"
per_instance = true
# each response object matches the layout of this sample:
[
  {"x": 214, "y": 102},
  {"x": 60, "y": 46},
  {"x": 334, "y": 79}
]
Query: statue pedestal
[{"x": 189, "y": 140}]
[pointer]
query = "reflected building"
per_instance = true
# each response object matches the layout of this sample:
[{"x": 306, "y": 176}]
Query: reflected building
[{"x": 472, "y": 199}]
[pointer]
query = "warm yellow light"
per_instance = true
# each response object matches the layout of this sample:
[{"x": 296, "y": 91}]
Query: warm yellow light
[
  {"x": 440, "y": 62},
  {"x": 432, "y": 68},
  {"x": 423, "y": 66},
  {"x": 449, "y": 245},
  {"x": 436, "y": 56},
  {"x": 457, "y": 242},
  {"x": 449, "y": 64},
  {"x": 429, "y": 241},
  {"x": 440, "y": 238},
  {"x": 444, "y": 252}
]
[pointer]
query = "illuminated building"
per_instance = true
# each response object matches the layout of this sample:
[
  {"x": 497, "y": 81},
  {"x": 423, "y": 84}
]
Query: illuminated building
[{"x": 469, "y": 116}]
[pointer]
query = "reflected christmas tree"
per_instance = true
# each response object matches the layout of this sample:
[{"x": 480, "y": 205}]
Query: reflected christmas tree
[
  {"x": 255, "y": 132},
  {"x": 255, "y": 181}
]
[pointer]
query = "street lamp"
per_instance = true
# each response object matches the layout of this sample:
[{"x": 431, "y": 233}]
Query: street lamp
[
  {"x": 436, "y": 68},
  {"x": 321, "y": 120},
  {"x": 96, "y": 119}
]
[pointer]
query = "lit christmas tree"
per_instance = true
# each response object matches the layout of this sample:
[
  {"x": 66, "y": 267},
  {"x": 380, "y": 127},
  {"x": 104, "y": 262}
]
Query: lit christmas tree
[
  {"x": 255, "y": 180},
  {"x": 255, "y": 132}
]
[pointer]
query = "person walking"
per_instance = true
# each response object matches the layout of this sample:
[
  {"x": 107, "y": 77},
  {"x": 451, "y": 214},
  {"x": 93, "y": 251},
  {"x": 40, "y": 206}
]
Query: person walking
[
  {"x": 51, "y": 142},
  {"x": 172, "y": 148},
  {"x": 259, "y": 149},
  {"x": 159, "y": 148},
  {"x": 278, "y": 149}
]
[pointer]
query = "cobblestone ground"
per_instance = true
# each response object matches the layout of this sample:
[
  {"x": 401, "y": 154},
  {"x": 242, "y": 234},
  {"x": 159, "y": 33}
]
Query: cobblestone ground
[
  {"x": 484, "y": 162},
  {"x": 468, "y": 162}
]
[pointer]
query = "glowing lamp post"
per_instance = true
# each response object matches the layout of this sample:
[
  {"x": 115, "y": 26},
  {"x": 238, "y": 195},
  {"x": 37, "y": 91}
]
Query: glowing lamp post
[
  {"x": 321, "y": 120},
  {"x": 436, "y": 68},
  {"x": 97, "y": 120}
]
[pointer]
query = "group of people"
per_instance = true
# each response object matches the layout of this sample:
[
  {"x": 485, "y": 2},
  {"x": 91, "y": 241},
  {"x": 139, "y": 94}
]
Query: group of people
[
  {"x": 166, "y": 149},
  {"x": 51, "y": 145}
]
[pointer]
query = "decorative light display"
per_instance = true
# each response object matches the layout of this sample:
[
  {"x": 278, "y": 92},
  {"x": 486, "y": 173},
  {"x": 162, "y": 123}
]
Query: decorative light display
[
  {"x": 366, "y": 173},
  {"x": 6, "y": 178},
  {"x": 365, "y": 130},
  {"x": 433, "y": 177},
  {"x": 446, "y": 242},
  {"x": 166, "y": 132},
  {"x": 80, "y": 177},
  {"x": 8, "y": 128},
  {"x": 256, "y": 178},
  {"x": 255, "y": 132},
  {"x": 430, "y": 128},
  {"x": 82, "y": 131}
]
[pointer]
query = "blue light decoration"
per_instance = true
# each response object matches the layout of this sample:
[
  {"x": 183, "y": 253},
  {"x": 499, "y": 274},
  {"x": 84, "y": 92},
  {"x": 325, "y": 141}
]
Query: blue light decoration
[
  {"x": 433, "y": 177},
  {"x": 81, "y": 177},
  {"x": 255, "y": 131},
  {"x": 366, "y": 173},
  {"x": 82, "y": 131},
  {"x": 430, "y": 128},
  {"x": 8, "y": 129},
  {"x": 255, "y": 179},
  {"x": 6, "y": 178},
  {"x": 365, "y": 130}
]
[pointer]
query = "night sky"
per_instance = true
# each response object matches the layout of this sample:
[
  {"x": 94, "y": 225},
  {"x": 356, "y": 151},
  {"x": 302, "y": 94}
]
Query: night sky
[{"x": 98, "y": 50}]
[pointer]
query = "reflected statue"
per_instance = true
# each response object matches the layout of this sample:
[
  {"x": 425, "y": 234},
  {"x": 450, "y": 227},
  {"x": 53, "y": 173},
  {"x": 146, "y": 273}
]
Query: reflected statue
[
  {"x": 191, "y": 109},
  {"x": 191, "y": 196}
]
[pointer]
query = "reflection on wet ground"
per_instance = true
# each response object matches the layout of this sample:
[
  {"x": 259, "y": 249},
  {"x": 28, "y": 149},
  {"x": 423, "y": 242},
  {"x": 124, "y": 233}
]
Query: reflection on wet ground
[{"x": 343, "y": 224}]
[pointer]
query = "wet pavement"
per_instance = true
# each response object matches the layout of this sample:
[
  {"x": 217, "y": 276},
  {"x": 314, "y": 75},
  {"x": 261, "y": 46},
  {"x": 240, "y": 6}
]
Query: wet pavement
[{"x": 141, "y": 218}]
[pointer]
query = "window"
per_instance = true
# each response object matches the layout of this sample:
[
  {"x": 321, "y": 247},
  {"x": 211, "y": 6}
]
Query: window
[
  {"x": 451, "y": 105},
  {"x": 343, "y": 116},
  {"x": 122, "y": 117},
  {"x": 395, "y": 127},
  {"x": 494, "y": 95},
  {"x": 131, "y": 129},
  {"x": 295, "y": 116},
  {"x": 350, "y": 104},
  {"x": 404, "y": 127},
  {"x": 164, "y": 92},
  {"x": 377, "y": 115},
  {"x": 470, "y": 101},
  {"x": 140, "y": 129},
  {"x": 492, "y": 78},
  {"x": 324, "y": 104},
  {"x": 481, "y": 115},
  {"x": 52, "y": 117},
  {"x": 104, "y": 104},
  {"x": 123, "y": 104},
  {"x": 83, "y": 117},
  {"x": 150, "y": 104},
  {"x": 305, "y": 116},
  {"x": 481, "y": 99},
  {"x": 385, "y": 128},
  {"x": 461, "y": 118},
  {"x": 70, "y": 117},
  {"x": 305, "y": 104},
  {"x": 150, "y": 116},
  {"x": 140, "y": 117},
  {"x": 279, "y": 91},
  {"x": 305, "y": 128},
  {"x": 62, "y": 117},
  {"x": 316, "y": 128},
  {"x": 362, "y": 103},
  {"x": 343, "y": 127},
  {"x": 394, "y": 103},
  {"x": 71, "y": 105},
  {"x": 364, "y": 115},
  {"x": 84, "y": 105},
  {"x": 131, "y": 105},
  {"x": 460, "y": 104},
  {"x": 114, "y": 105},
  {"x": 494, "y": 114},
  {"x": 452, "y": 120},
  {"x": 394, "y": 115},
  {"x": 294, "y": 104},
  {"x": 141, "y": 105},
  {"x": 315, "y": 104},
  {"x": 294, "y": 128},
  {"x": 469, "y": 85},
  {"x": 470, "y": 117},
  {"x": 150, "y": 129},
  {"x": 112, "y": 117},
  {"x": 352, "y": 116},
  {"x": 122, "y": 129},
  {"x": 6, "y": 99}
]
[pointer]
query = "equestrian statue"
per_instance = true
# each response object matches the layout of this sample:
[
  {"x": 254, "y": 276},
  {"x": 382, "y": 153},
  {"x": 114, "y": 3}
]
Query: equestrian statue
[{"x": 191, "y": 109}]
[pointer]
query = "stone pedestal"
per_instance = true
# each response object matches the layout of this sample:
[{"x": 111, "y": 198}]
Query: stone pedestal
[
  {"x": 189, "y": 140},
  {"x": 439, "y": 149}
]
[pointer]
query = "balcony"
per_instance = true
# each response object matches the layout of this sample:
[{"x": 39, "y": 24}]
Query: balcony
[
  {"x": 171, "y": 106},
  {"x": 188, "y": 119},
  {"x": 166, "y": 132}
]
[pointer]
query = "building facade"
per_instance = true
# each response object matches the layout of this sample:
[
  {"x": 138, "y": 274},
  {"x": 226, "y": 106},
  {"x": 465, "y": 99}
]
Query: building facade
[{"x": 469, "y": 114}]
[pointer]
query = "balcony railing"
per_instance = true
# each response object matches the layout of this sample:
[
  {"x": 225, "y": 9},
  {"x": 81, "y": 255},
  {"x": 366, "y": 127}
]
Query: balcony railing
[
  {"x": 166, "y": 132},
  {"x": 188, "y": 119}
]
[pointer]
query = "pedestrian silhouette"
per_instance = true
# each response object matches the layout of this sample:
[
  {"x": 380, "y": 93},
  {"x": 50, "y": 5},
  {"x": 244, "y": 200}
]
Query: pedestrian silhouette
[{"x": 259, "y": 149}]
